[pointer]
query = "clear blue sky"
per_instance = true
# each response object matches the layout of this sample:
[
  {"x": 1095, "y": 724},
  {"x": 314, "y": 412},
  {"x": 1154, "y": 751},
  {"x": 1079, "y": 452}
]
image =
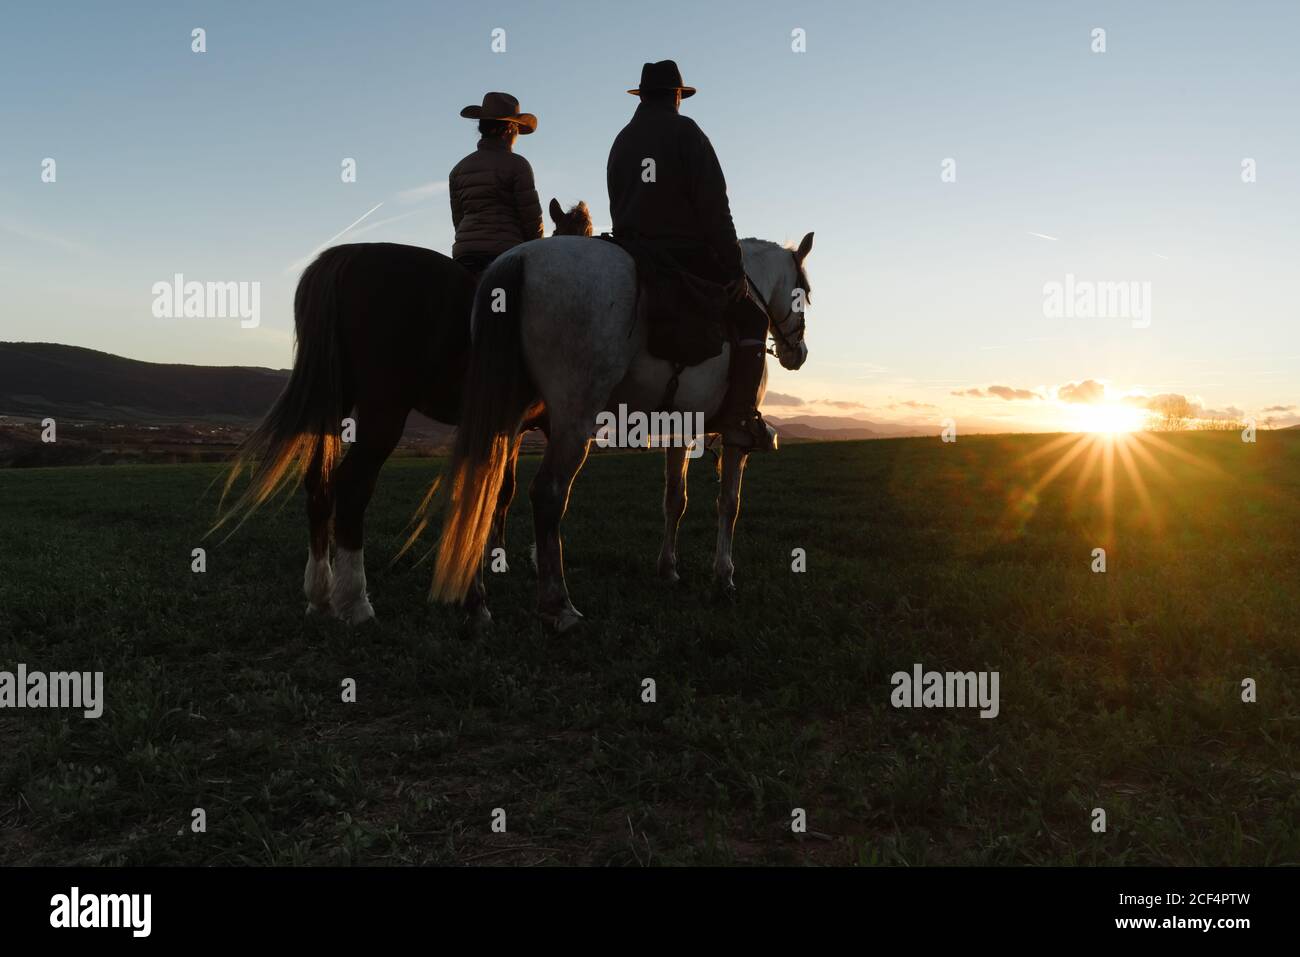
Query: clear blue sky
[{"x": 225, "y": 166}]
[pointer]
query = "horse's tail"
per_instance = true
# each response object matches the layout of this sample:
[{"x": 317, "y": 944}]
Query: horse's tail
[
  {"x": 301, "y": 432},
  {"x": 498, "y": 391}
]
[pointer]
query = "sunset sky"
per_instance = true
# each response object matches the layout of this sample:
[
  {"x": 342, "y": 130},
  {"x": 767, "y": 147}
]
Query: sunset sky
[{"x": 928, "y": 296}]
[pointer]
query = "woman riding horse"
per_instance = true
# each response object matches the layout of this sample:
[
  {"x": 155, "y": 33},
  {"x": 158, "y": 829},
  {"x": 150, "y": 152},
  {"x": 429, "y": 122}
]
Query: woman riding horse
[{"x": 494, "y": 203}]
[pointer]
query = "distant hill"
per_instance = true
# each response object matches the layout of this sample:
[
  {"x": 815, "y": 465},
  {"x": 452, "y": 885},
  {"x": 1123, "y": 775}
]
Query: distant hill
[
  {"x": 834, "y": 428},
  {"x": 213, "y": 407},
  {"x": 69, "y": 382},
  {"x": 42, "y": 378},
  {"x": 111, "y": 409}
]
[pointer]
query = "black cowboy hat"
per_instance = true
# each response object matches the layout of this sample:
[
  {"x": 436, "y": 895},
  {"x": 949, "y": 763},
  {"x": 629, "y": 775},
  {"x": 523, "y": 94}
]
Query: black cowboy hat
[
  {"x": 501, "y": 106},
  {"x": 663, "y": 75}
]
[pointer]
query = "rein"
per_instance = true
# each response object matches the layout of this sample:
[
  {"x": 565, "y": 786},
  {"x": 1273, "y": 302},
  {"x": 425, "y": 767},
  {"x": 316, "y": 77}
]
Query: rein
[{"x": 791, "y": 339}]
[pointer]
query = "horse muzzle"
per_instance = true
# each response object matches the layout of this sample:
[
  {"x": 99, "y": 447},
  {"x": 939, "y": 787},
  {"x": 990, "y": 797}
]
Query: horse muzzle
[{"x": 792, "y": 359}]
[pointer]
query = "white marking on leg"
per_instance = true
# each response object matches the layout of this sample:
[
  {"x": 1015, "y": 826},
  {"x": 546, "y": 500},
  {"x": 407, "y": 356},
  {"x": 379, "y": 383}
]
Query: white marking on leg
[
  {"x": 317, "y": 583},
  {"x": 348, "y": 600}
]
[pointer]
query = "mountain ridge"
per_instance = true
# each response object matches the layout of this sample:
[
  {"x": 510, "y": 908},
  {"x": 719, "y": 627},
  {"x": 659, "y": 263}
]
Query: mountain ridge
[
  {"x": 38, "y": 378},
  {"x": 48, "y": 378}
]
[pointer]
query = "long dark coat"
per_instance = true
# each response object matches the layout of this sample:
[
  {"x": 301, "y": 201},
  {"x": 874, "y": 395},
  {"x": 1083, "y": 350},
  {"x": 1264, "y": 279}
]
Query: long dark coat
[{"x": 684, "y": 209}]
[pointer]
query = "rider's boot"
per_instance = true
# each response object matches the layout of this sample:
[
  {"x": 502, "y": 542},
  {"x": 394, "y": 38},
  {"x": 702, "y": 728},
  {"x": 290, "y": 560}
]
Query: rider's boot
[{"x": 740, "y": 422}]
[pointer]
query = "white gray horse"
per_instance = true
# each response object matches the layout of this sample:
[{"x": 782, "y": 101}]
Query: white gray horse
[{"x": 555, "y": 321}]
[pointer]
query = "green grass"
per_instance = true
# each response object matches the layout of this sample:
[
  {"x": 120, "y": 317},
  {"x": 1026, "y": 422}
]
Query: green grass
[{"x": 1118, "y": 690}]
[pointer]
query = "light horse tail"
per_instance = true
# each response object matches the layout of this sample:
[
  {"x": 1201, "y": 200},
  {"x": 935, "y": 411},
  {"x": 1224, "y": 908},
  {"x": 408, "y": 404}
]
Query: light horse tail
[
  {"x": 300, "y": 435},
  {"x": 498, "y": 392}
]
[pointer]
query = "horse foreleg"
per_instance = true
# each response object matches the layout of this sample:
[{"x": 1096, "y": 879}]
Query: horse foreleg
[
  {"x": 550, "y": 494},
  {"x": 378, "y": 433},
  {"x": 675, "y": 465},
  {"x": 318, "y": 577},
  {"x": 733, "y": 470}
]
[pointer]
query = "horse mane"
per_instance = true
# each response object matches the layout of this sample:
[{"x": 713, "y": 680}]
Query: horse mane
[
  {"x": 576, "y": 221},
  {"x": 801, "y": 277},
  {"x": 580, "y": 216}
]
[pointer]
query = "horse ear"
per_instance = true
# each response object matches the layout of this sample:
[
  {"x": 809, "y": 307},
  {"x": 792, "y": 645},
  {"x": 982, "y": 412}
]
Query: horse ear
[
  {"x": 805, "y": 247},
  {"x": 557, "y": 211}
]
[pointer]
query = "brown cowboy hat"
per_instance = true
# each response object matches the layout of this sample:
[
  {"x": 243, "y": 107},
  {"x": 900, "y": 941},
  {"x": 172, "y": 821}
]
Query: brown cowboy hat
[
  {"x": 663, "y": 75},
  {"x": 501, "y": 106}
]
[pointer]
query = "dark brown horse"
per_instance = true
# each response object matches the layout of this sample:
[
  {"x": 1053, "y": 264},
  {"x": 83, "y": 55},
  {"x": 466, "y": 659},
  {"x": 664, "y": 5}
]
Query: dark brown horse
[
  {"x": 576, "y": 222},
  {"x": 381, "y": 329}
]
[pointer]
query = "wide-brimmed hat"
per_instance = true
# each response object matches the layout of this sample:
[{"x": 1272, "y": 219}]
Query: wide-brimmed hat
[
  {"x": 663, "y": 75},
  {"x": 501, "y": 106}
]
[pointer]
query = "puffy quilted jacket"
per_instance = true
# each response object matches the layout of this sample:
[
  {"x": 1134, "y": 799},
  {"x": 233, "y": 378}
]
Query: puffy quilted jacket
[{"x": 494, "y": 203}]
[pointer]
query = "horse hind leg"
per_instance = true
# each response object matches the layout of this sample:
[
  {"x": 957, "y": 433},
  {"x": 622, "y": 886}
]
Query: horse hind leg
[
  {"x": 475, "y": 606},
  {"x": 379, "y": 429},
  {"x": 564, "y": 456},
  {"x": 497, "y": 537},
  {"x": 318, "y": 578}
]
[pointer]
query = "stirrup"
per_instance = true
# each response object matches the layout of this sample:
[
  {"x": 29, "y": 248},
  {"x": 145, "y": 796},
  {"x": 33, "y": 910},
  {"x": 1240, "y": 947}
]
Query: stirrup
[{"x": 751, "y": 434}]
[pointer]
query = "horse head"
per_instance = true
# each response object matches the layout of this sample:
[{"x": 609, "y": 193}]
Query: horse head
[
  {"x": 778, "y": 276},
  {"x": 576, "y": 222}
]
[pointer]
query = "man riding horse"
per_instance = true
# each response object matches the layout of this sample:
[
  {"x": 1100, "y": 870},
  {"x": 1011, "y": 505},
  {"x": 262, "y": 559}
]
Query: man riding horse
[{"x": 666, "y": 189}]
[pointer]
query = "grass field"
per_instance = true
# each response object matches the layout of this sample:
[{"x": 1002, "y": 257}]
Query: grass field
[{"x": 1119, "y": 691}]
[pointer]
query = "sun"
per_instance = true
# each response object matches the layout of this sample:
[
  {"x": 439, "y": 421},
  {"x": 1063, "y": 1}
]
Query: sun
[
  {"x": 1108, "y": 418},
  {"x": 1107, "y": 444}
]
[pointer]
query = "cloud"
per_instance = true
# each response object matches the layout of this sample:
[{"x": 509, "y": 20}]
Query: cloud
[
  {"x": 780, "y": 398},
  {"x": 1279, "y": 408},
  {"x": 380, "y": 223},
  {"x": 299, "y": 264},
  {"x": 1285, "y": 422},
  {"x": 1228, "y": 412},
  {"x": 32, "y": 235},
  {"x": 1005, "y": 392},
  {"x": 1177, "y": 405},
  {"x": 1087, "y": 391},
  {"x": 409, "y": 196},
  {"x": 419, "y": 194},
  {"x": 1165, "y": 403},
  {"x": 1008, "y": 393}
]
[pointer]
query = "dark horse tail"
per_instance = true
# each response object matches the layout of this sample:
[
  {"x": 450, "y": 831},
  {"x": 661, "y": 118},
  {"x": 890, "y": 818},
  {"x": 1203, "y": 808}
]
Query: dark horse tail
[
  {"x": 498, "y": 392},
  {"x": 301, "y": 432}
]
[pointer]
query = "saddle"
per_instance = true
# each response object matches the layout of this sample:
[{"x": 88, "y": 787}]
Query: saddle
[{"x": 685, "y": 312}]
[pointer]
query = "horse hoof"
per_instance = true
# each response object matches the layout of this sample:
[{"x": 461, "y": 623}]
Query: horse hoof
[
  {"x": 479, "y": 619},
  {"x": 321, "y": 610},
  {"x": 669, "y": 575},
  {"x": 566, "y": 619},
  {"x": 358, "y": 613},
  {"x": 724, "y": 593}
]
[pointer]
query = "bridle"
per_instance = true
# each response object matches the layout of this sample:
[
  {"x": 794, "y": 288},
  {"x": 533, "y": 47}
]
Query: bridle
[{"x": 788, "y": 339}]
